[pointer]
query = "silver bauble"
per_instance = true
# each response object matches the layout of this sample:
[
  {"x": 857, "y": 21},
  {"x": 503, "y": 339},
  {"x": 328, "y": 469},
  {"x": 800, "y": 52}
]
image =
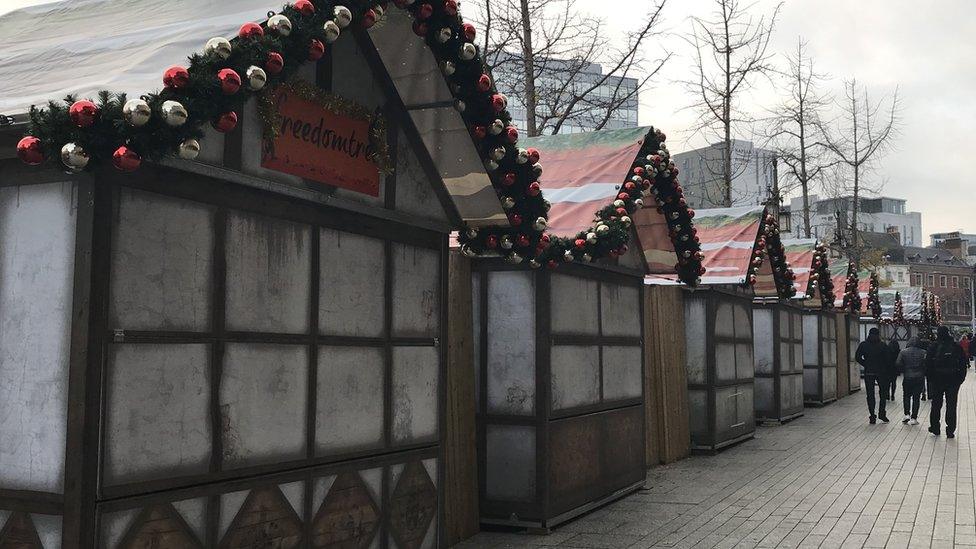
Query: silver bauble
[
  {"x": 472, "y": 233},
  {"x": 537, "y": 170},
  {"x": 639, "y": 203},
  {"x": 508, "y": 203},
  {"x": 506, "y": 242},
  {"x": 256, "y": 77},
  {"x": 587, "y": 258},
  {"x": 74, "y": 157},
  {"x": 331, "y": 31},
  {"x": 540, "y": 224},
  {"x": 468, "y": 51},
  {"x": 219, "y": 46},
  {"x": 444, "y": 35},
  {"x": 514, "y": 258},
  {"x": 136, "y": 112},
  {"x": 280, "y": 25},
  {"x": 523, "y": 156},
  {"x": 460, "y": 105},
  {"x": 498, "y": 153},
  {"x": 342, "y": 16},
  {"x": 602, "y": 229},
  {"x": 448, "y": 68},
  {"x": 534, "y": 264},
  {"x": 591, "y": 238},
  {"x": 174, "y": 113},
  {"x": 618, "y": 203},
  {"x": 568, "y": 256},
  {"x": 189, "y": 149},
  {"x": 496, "y": 127},
  {"x": 491, "y": 165},
  {"x": 626, "y": 221}
]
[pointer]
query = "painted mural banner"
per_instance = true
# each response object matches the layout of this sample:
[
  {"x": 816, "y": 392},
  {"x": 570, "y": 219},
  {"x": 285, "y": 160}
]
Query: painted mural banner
[{"x": 324, "y": 138}]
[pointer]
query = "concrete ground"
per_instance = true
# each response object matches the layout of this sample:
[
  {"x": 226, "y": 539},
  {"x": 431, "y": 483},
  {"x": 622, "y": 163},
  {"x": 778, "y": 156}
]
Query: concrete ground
[{"x": 828, "y": 479}]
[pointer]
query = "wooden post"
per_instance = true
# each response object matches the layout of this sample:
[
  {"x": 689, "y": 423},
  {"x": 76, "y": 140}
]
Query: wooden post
[
  {"x": 843, "y": 358},
  {"x": 460, "y": 446},
  {"x": 666, "y": 378}
]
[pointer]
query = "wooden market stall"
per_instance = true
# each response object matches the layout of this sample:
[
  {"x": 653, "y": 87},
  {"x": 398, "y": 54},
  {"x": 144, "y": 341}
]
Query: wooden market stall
[
  {"x": 778, "y": 332},
  {"x": 560, "y": 350},
  {"x": 743, "y": 260},
  {"x": 241, "y": 346}
]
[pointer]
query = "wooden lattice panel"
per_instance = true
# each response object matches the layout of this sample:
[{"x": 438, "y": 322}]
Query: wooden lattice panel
[
  {"x": 160, "y": 526},
  {"x": 19, "y": 533},
  {"x": 412, "y": 506},
  {"x": 265, "y": 520},
  {"x": 348, "y": 518}
]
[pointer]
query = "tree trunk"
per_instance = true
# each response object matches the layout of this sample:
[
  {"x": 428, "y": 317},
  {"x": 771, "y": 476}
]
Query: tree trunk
[
  {"x": 804, "y": 178},
  {"x": 529, "y": 72},
  {"x": 727, "y": 118},
  {"x": 855, "y": 244}
]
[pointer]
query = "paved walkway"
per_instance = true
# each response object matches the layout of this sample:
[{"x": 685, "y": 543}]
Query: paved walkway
[{"x": 828, "y": 479}]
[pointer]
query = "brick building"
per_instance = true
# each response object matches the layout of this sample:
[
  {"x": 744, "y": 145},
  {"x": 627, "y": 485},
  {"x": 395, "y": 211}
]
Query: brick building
[{"x": 939, "y": 271}]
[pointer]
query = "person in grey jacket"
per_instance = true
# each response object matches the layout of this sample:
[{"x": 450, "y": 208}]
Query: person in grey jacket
[{"x": 911, "y": 364}]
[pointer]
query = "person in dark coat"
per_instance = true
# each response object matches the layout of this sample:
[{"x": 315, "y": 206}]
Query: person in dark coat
[
  {"x": 945, "y": 368},
  {"x": 872, "y": 354},
  {"x": 911, "y": 364},
  {"x": 893, "y": 350}
]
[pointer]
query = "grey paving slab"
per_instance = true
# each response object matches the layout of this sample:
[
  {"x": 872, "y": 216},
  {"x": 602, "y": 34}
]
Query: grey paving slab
[{"x": 826, "y": 480}]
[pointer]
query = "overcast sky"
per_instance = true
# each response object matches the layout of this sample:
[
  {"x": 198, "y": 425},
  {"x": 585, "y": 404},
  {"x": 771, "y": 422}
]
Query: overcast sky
[{"x": 925, "y": 48}]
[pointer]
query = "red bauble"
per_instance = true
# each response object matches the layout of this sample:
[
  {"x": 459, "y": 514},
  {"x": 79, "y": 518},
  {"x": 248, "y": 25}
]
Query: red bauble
[
  {"x": 524, "y": 241},
  {"x": 509, "y": 179},
  {"x": 469, "y": 32},
  {"x": 424, "y": 12},
  {"x": 369, "y": 18},
  {"x": 226, "y": 122},
  {"x": 479, "y": 132},
  {"x": 552, "y": 264},
  {"x": 484, "y": 83},
  {"x": 580, "y": 243},
  {"x": 516, "y": 219},
  {"x": 544, "y": 241},
  {"x": 630, "y": 186},
  {"x": 450, "y": 7},
  {"x": 230, "y": 81},
  {"x": 250, "y": 30},
  {"x": 176, "y": 78},
  {"x": 304, "y": 7},
  {"x": 621, "y": 211},
  {"x": 316, "y": 49},
  {"x": 623, "y": 196},
  {"x": 534, "y": 155},
  {"x": 30, "y": 150},
  {"x": 275, "y": 62},
  {"x": 491, "y": 242},
  {"x": 83, "y": 113},
  {"x": 126, "y": 159},
  {"x": 420, "y": 29},
  {"x": 639, "y": 171},
  {"x": 512, "y": 133},
  {"x": 498, "y": 102},
  {"x": 534, "y": 189}
]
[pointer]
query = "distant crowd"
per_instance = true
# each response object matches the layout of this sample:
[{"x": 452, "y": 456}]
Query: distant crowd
[{"x": 930, "y": 369}]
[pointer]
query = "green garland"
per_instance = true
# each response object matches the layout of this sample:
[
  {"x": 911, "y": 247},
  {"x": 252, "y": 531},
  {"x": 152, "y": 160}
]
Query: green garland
[{"x": 514, "y": 172}]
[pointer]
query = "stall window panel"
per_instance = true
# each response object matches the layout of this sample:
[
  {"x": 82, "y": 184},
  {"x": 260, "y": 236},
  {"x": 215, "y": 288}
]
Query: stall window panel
[
  {"x": 511, "y": 343},
  {"x": 698, "y": 412},
  {"x": 620, "y": 310},
  {"x": 575, "y": 376},
  {"x": 351, "y": 286},
  {"x": 416, "y": 291},
  {"x": 765, "y": 395},
  {"x": 476, "y": 343},
  {"x": 744, "y": 362},
  {"x": 268, "y": 272},
  {"x": 724, "y": 320},
  {"x": 162, "y": 260},
  {"x": 415, "y": 394},
  {"x": 37, "y": 247},
  {"x": 622, "y": 373},
  {"x": 510, "y": 459},
  {"x": 830, "y": 382},
  {"x": 263, "y": 403},
  {"x": 725, "y": 367},
  {"x": 811, "y": 340},
  {"x": 696, "y": 340},
  {"x": 574, "y": 305},
  {"x": 158, "y": 412},
  {"x": 764, "y": 346},
  {"x": 349, "y": 409}
]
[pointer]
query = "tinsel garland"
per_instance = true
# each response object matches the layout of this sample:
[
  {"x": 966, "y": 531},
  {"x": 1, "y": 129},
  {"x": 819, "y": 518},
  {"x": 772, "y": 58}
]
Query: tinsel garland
[
  {"x": 874, "y": 296},
  {"x": 820, "y": 278},
  {"x": 852, "y": 294},
  {"x": 768, "y": 244}
]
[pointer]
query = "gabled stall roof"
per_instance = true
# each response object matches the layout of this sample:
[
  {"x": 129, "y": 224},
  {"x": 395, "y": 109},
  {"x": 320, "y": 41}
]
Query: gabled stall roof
[
  {"x": 82, "y": 46},
  {"x": 730, "y": 239},
  {"x": 806, "y": 257},
  {"x": 841, "y": 270}
]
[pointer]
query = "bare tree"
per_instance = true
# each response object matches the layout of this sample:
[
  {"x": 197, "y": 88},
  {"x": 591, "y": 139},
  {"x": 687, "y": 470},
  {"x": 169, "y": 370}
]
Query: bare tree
[
  {"x": 862, "y": 135},
  {"x": 546, "y": 55},
  {"x": 794, "y": 129},
  {"x": 731, "y": 50}
]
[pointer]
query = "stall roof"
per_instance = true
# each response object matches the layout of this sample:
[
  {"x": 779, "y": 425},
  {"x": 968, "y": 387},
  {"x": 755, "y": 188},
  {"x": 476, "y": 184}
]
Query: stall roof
[
  {"x": 729, "y": 237},
  {"x": 83, "y": 46},
  {"x": 583, "y": 173}
]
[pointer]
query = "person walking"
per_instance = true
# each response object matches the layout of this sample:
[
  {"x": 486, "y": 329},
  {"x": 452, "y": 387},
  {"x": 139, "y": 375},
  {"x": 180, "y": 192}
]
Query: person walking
[
  {"x": 893, "y": 350},
  {"x": 872, "y": 355},
  {"x": 965, "y": 343},
  {"x": 911, "y": 364},
  {"x": 972, "y": 346},
  {"x": 945, "y": 369}
]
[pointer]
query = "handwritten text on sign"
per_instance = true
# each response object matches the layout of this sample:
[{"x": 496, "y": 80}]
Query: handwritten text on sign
[{"x": 322, "y": 145}]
